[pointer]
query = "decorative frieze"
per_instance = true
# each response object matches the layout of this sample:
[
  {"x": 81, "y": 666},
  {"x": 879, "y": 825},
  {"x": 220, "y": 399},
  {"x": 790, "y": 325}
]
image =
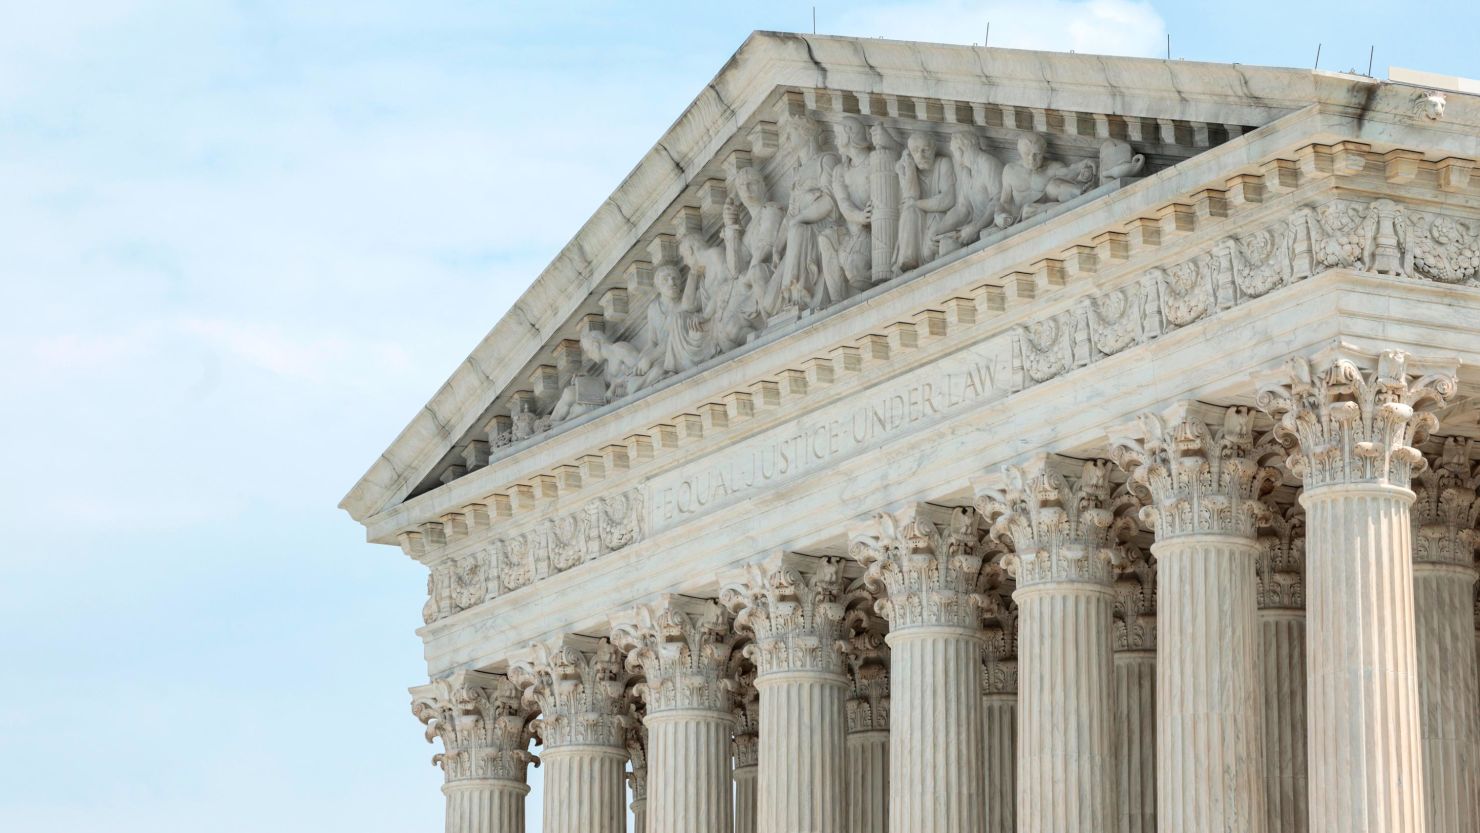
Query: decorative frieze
[
  {"x": 579, "y": 685},
  {"x": 791, "y": 606},
  {"x": 599, "y": 527},
  {"x": 928, "y": 574},
  {"x": 483, "y": 725},
  {"x": 1060, "y": 528},
  {"x": 1349, "y": 426},
  {"x": 682, "y": 647}
]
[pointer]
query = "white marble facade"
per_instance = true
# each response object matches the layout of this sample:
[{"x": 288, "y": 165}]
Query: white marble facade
[{"x": 934, "y": 439}]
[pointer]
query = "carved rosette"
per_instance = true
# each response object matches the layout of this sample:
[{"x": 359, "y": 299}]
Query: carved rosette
[
  {"x": 1060, "y": 528},
  {"x": 927, "y": 574},
  {"x": 1447, "y": 508},
  {"x": 579, "y": 686},
  {"x": 1348, "y": 426},
  {"x": 1135, "y": 605},
  {"x": 789, "y": 606},
  {"x": 747, "y": 710},
  {"x": 867, "y": 655},
  {"x": 1198, "y": 479},
  {"x": 484, "y": 728},
  {"x": 999, "y": 654},
  {"x": 682, "y": 647},
  {"x": 1281, "y": 568}
]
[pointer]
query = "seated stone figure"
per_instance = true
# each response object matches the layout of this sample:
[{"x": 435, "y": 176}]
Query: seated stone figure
[
  {"x": 927, "y": 184},
  {"x": 1034, "y": 183},
  {"x": 751, "y": 250},
  {"x": 679, "y": 336},
  {"x": 978, "y": 190},
  {"x": 728, "y": 301}
]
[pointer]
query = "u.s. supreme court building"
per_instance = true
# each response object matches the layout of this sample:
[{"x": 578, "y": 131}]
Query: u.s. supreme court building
[{"x": 941, "y": 439}]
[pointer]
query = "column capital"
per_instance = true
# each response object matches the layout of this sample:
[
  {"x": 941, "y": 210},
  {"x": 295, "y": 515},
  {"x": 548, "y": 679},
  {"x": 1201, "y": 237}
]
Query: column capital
[
  {"x": 1198, "y": 469},
  {"x": 1446, "y": 507},
  {"x": 1348, "y": 426},
  {"x": 579, "y": 685},
  {"x": 636, "y": 742},
  {"x": 1061, "y": 528},
  {"x": 682, "y": 647},
  {"x": 790, "y": 606},
  {"x": 867, "y": 655},
  {"x": 1281, "y": 567},
  {"x": 484, "y": 728},
  {"x": 928, "y": 571},
  {"x": 747, "y": 711},
  {"x": 1135, "y": 604},
  {"x": 999, "y": 654}
]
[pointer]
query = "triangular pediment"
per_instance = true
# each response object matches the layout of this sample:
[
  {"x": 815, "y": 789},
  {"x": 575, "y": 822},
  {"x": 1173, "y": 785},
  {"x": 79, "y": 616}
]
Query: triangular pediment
[{"x": 812, "y": 171}]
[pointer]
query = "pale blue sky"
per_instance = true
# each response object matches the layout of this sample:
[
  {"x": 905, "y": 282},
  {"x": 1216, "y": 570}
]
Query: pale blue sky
[{"x": 240, "y": 244}]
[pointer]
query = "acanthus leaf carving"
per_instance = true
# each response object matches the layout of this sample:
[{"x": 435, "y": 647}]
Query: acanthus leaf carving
[
  {"x": 791, "y": 607},
  {"x": 682, "y": 647},
  {"x": 484, "y": 728},
  {"x": 1446, "y": 508},
  {"x": 579, "y": 685},
  {"x": 926, "y": 574}
]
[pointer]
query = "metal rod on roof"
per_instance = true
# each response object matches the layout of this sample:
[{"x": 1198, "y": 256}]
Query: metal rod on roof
[
  {"x": 1371, "y": 50},
  {"x": 814, "y": 20},
  {"x": 987, "y": 41},
  {"x": 1169, "y": 46},
  {"x": 1318, "y": 56}
]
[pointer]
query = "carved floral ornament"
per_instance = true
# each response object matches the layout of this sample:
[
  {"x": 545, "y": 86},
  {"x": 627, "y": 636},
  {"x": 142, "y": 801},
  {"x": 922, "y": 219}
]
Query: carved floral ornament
[
  {"x": 1281, "y": 567},
  {"x": 484, "y": 728},
  {"x": 824, "y": 222},
  {"x": 1446, "y": 508},
  {"x": 867, "y": 655}
]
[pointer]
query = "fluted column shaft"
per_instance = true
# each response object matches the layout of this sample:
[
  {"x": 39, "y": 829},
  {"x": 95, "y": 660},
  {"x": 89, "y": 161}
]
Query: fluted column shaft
[
  {"x": 1365, "y": 767},
  {"x": 1135, "y": 739},
  {"x": 689, "y": 776},
  {"x": 1210, "y": 738},
  {"x": 868, "y": 782},
  {"x": 999, "y": 762},
  {"x": 1444, "y": 597},
  {"x": 1282, "y": 676},
  {"x": 936, "y": 777},
  {"x": 802, "y": 751},
  {"x": 639, "y": 815},
  {"x": 1066, "y": 678},
  {"x": 585, "y": 789},
  {"x": 745, "y": 799},
  {"x": 485, "y": 806}
]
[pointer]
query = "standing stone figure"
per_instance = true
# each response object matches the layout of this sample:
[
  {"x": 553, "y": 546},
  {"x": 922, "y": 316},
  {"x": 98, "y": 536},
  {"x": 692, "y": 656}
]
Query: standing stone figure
[
  {"x": 801, "y": 278},
  {"x": 751, "y": 252},
  {"x": 978, "y": 188},
  {"x": 927, "y": 184},
  {"x": 1033, "y": 183},
  {"x": 853, "y": 193}
]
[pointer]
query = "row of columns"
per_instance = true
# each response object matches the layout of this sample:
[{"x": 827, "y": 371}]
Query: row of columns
[{"x": 1256, "y": 671}]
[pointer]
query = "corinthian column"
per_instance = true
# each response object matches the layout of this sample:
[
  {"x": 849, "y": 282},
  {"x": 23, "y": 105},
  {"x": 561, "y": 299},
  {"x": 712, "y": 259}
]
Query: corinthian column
[
  {"x": 1204, "y": 484},
  {"x": 1282, "y": 670},
  {"x": 747, "y": 746},
  {"x": 1065, "y": 532},
  {"x": 999, "y": 709},
  {"x": 682, "y": 647},
  {"x": 929, "y": 577},
  {"x": 1444, "y": 540},
  {"x": 485, "y": 734},
  {"x": 579, "y": 686},
  {"x": 1135, "y": 694},
  {"x": 868, "y": 719},
  {"x": 1354, "y": 433},
  {"x": 789, "y": 605}
]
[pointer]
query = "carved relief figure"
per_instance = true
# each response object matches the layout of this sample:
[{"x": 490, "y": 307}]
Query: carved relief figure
[
  {"x": 1034, "y": 183},
  {"x": 727, "y": 301},
  {"x": 852, "y": 191},
  {"x": 1118, "y": 159},
  {"x": 618, "y": 360},
  {"x": 750, "y": 252},
  {"x": 802, "y": 278},
  {"x": 978, "y": 188},
  {"x": 678, "y": 334},
  {"x": 927, "y": 186}
]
